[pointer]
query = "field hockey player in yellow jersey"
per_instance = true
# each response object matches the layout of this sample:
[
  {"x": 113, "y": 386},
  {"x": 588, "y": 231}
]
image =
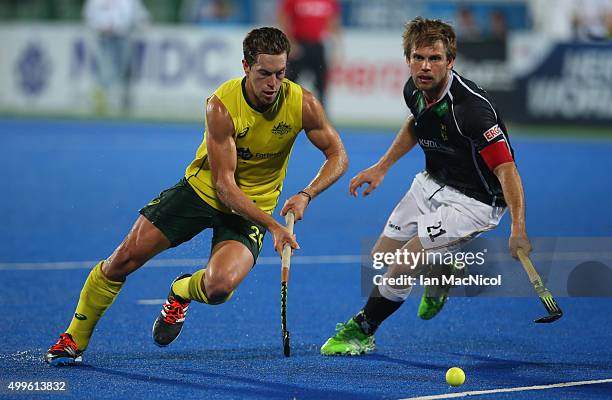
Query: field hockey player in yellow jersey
[{"x": 232, "y": 186}]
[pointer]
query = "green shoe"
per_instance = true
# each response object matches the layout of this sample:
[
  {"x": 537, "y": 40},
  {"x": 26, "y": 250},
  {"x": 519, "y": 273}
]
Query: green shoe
[
  {"x": 434, "y": 297},
  {"x": 431, "y": 305},
  {"x": 350, "y": 340}
]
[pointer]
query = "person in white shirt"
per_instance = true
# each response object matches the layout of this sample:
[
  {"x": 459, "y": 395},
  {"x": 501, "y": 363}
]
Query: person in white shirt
[
  {"x": 112, "y": 23},
  {"x": 593, "y": 19}
]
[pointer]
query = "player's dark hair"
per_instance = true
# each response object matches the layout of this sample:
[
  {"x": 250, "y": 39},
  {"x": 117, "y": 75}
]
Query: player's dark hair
[
  {"x": 264, "y": 40},
  {"x": 422, "y": 32}
]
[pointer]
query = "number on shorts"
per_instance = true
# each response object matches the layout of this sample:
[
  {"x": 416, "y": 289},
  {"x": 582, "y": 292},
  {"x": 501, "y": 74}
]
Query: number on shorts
[
  {"x": 256, "y": 236},
  {"x": 433, "y": 235}
]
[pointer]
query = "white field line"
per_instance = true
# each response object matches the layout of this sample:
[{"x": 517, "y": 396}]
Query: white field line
[
  {"x": 151, "y": 302},
  {"x": 180, "y": 262},
  {"x": 313, "y": 260},
  {"x": 506, "y": 390}
]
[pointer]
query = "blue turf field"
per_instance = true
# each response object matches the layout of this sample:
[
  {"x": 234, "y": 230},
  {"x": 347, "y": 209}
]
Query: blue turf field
[{"x": 72, "y": 189}]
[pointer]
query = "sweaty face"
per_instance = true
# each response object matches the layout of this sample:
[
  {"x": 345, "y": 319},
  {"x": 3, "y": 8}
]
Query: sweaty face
[
  {"x": 430, "y": 68},
  {"x": 264, "y": 78}
]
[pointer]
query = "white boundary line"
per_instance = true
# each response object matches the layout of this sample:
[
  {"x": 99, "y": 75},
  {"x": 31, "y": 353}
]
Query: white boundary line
[
  {"x": 274, "y": 260},
  {"x": 506, "y": 390},
  {"x": 151, "y": 302},
  {"x": 179, "y": 262}
]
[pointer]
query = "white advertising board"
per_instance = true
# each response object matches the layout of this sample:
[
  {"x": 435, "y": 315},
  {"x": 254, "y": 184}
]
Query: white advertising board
[{"x": 50, "y": 68}]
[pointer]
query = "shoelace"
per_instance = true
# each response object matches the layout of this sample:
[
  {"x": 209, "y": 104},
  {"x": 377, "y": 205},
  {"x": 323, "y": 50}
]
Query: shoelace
[
  {"x": 63, "y": 342},
  {"x": 175, "y": 311}
]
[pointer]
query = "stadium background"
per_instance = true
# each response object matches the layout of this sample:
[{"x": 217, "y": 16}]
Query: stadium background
[{"x": 73, "y": 179}]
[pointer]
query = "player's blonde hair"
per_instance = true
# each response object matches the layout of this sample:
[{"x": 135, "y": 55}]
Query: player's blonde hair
[{"x": 422, "y": 32}]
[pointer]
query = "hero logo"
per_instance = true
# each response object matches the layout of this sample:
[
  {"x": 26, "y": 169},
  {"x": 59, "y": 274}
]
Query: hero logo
[
  {"x": 492, "y": 133},
  {"x": 33, "y": 69}
]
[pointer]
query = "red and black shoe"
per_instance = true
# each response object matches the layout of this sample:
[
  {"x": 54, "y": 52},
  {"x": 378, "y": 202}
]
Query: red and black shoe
[
  {"x": 170, "y": 321},
  {"x": 64, "y": 352}
]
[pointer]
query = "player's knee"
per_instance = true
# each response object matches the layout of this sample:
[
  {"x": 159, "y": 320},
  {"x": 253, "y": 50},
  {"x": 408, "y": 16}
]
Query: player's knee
[
  {"x": 395, "y": 292},
  {"x": 385, "y": 244},
  {"x": 397, "y": 289},
  {"x": 218, "y": 291}
]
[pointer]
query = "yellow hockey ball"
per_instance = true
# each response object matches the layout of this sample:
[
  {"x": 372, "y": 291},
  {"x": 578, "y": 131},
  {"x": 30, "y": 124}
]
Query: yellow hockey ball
[{"x": 455, "y": 376}]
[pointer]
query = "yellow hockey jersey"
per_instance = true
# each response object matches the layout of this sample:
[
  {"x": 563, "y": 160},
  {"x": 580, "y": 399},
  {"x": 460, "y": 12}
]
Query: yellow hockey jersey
[{"x": 263, "y": 144}]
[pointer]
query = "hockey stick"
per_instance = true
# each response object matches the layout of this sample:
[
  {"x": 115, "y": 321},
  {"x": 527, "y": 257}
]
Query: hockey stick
[
  {"x": 286, "y": 263},
  {"x": 554, "y": 312}
]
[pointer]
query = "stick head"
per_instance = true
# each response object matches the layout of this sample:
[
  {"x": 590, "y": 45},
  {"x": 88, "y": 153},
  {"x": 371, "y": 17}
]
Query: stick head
[
  {"x": 286, "y": 346},
  {"x": 552, "y": 317},
  {"x": 554, "y": 311}
]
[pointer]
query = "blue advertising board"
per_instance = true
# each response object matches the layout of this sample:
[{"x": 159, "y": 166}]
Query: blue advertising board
[{"x": 573, "y": 84}]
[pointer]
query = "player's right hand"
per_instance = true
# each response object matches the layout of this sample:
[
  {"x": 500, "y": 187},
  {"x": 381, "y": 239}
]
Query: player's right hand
[
  {"x": 519, "y": 241},
  {"x": 296, "y": 203},
  {"x": 281, "y": 237},
  {"x": 373, "y": 176}
]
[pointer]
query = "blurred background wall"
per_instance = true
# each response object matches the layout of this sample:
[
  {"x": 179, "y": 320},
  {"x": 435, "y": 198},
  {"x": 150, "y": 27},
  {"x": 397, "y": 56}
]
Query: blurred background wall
[{"x": 543, "y": 61}]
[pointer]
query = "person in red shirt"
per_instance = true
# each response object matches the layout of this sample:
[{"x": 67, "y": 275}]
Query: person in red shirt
[{"x": 309, "y": 25}]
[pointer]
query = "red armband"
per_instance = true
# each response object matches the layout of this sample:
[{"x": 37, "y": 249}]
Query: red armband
[{"x": 496, "y": 154}]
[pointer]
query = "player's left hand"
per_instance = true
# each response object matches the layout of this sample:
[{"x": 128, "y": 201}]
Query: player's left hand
[
  {"x": 297, "y": 203},
  {"x": 519, "y": 241}
]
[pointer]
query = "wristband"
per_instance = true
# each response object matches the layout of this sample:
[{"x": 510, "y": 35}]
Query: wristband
[{"x": 305, "y": 194}]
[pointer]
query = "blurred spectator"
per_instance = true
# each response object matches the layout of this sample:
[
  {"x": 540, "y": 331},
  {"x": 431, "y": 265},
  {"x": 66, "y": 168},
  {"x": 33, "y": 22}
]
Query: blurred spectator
[
  {"x": 467, "y": 27},
  {"x": 593, "y": 19},
  {"x": 210, "y": 12},
  {"x": 310, "y": 24},
  {"x": 553, "y": 18},
  {"x": 113, "y": 22},
  {"x": 498, "y": 26}
]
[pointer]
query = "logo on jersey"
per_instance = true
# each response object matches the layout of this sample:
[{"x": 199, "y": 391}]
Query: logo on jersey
[
  {"x": 243, "y": 133},
  {"x": 429, "y": 144},
  {"x": 261, "y": 156},
  {"x": 281, "y": 129},
  {"x": 443, "y": 132},
  {"x": 244, "y": 153},
  {"x": 154, "y": 202},
  {"x": 492, "y": 133}
]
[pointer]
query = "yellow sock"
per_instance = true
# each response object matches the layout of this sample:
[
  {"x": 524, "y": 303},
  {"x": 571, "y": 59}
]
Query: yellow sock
[
  {"x": 196, "y": 292},
  {"x": 97, "y": 295},
  {"x": 181, "y": 288},
  {"x": 191, "y": 288}
]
